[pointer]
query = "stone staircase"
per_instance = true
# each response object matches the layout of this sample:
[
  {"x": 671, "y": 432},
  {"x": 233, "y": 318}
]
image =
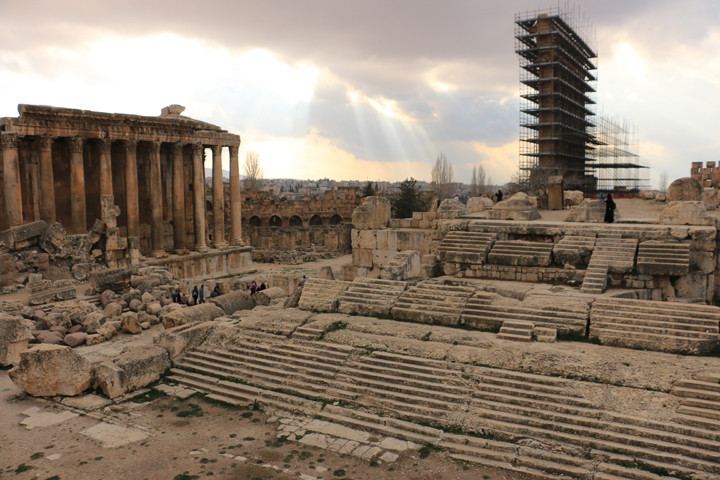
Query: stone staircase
[
  {"x": 521, "y": 253},
  {"x": 511, "y": 406},
  {"x": 574, "y": 249},
  {"x": 518, "y": 330},
  {"x": 663, "y": 326},
  {"x": 566, "y": 316},
  {"x": 663, "y": 258},
  {"x": 612, "y": 253},
  {"x": 525, "y": 422},
  {"x": 466, "y": 247},
  {"x": 699, "y": 401},
  {"x": 372, "y": 297},
  {"x": 432, "y": 303},
  {"x": 321, "y": 295}
]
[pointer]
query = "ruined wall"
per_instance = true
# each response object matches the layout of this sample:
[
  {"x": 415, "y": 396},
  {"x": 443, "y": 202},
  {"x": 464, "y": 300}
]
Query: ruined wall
[{"x": 708, "y": 176}]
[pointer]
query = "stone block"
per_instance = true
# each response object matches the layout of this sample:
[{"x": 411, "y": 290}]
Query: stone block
[
  {"x": 685, "y": 189},
  {"x": 265, "y": 297},
  {"x": 196, "y": 314},
  {"x": 117, "y": 279},
  {"x": 233, "y": 302},
  {"x": 15, "y": 335},
  {"x": 75, "y": 339},
  {"x": 54, "y": 238},
  {"x": 477, "y": 204},
  {"x": 374, "y": 213},
  {"x": 685, "y": 213},
  {"x": 517, "y": 207},
  {"x": 362, "y": 257},
  {"x": 49, "y": 370},
  {"x": 23, "y": 236}
]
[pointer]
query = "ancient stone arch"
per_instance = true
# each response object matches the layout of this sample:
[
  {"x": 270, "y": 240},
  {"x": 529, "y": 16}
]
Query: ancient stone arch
[
  {"x": 255, "y": 221},
  {"x": 275, "y": 221},
  {"x": 316, "y": 220},
  {"x": 336, "y": 219},
  {"x": 296, "y": 221}
]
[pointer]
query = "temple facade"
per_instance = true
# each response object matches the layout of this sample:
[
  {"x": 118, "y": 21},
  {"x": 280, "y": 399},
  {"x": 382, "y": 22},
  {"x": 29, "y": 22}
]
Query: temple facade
[{"x": 57, "y": 164}]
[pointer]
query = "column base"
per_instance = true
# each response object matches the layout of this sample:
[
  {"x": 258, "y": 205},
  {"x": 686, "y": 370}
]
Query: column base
[
  {"x": 221, "y": 245},
  {"x": 159, "y": 254},
  {"x": 201, "y": 248},
  {"x": 237, "y": 243},
  {"x": 181, "y": 251}
]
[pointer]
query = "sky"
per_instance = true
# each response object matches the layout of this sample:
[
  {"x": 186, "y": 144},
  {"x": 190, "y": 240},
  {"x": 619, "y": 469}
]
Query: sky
[{"x": 370, "y": 90}]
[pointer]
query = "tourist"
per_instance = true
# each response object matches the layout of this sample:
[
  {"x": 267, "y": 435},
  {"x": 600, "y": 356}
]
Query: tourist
[
  {"x": 253, "y": 287},
  {"x": 302, "y": 282},
  {"x": 262, "y": 286},
  {"x": 195, "y": 295},
  {"x": 176, "y": 296},
  {"x": 201, "y": 296},
  {"x": 499, "y": 195},
  {"x": 602, "y": 197},
  {"x": 216, "y": 291},
  {"x": 609, "y": 209}
]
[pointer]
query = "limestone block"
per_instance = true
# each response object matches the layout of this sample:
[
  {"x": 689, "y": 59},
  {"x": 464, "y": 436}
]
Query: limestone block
[
  {"x": 711, "y": 198},
  {"x": 64, "y": 290},
  {"x": 196, "y": 314},
  {"x": 94, "y": 339},
  {"x": 153, "y": 308},
  {"x": 75, "y": 339},
  {"x": 11, "y": 307},
  {"x": 517, "y": 207},
  {"x": 326, "y": 273},
  {"x": 92, "y": 321},
  {"x": 52, "y": 337},
  {"x": 692, "y": 286},
  {"x": 234, "y": 301},
  {"x": 478, "y": 204},
  {"x": 451, "y": 208},
  {"x": 702, "y": 261},
  {"x": 54, "y": 238},
  {"x": 381, "y": 258},
  {"x": 23, "y": 236},
  {"x": 141, "y": 365},
  {"x": 647, "y": 195},
  {"x": 685, "y": 189},
  {"x": 107, "y": 330},
  {"x": 685, "y": 213},
  {"x": 589, "y": 211},
  {"x": 129, "y": 323},
  {"x": 362, "y": 257},
  {"x": 15, "y": 335},
  {"x": 109, "y": 378},
  {"x": 112, "y": 279},
  {"x": 374, "y": 213},
  {"x": 660, "y": 197},
  {"x": 178, "y": 340},
  {"x": 112, "y": 309},
  {"x": 48, "y": 370},
  {"x": 265, "y": 297}
]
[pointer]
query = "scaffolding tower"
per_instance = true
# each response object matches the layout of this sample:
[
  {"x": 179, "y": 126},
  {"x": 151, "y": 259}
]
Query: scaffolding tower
[
  {"x": 615, "y": 161},
  {"x": 556, "y": 98}
]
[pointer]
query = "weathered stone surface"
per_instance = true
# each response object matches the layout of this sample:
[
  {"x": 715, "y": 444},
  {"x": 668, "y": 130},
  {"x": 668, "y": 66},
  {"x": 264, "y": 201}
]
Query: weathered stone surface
[
  {"x": 199, "y": 313},
  {"x": 142, "y": 364},
  {"x": 107, "y": 330},
  {"x": 479, "y": 204},
  {"x": 403, "y": 266},
  {"x": 12, "y": 307},
  {"x": 135, "y": 305},
  {"x": 265, "y": 297},
  {"x": 92, "y": 321},
  {"x": 589, "y": 211},
  {"x": 685, "y": 189},
  {"x": 75, "y": 339},
  {"x": 112, "y": 310},
  {"x": 293, "y": 300},
  {"x": 117, "y": 279},
  {"x": 54, "y": 238},
  {"x": 647, "y": 195},
  {"x": 326, "y": 273},
  {"x": 129, "y": 323},
  {"x": 233, "y": 301},
  {"x": 25, "y": 235},
  {"x": 374, "y": 213},
  {"x": 178, "y": 340},
  {"x": 574, "y": 197},
  {"x": 52, "y": 337},
  {"x": 94, "y": 339},
  {"x": 153, "y": 308},
  {"x": 48, "y": 370},
  {"x": 517, "y": 207},
  {"x": 15, "y": 335},
  {"x": 451, "y": 208},
  {"x": 685, "y": 213}
]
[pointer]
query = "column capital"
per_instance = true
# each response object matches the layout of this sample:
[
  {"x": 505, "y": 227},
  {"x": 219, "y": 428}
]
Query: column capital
[
  {"x": 234, "y": 149},
  {"x": 44, "y": 142},
  {"x": 153, "y": 146},
  {"x": 197, "y": 148},
  {"x": 177, "y": 148},
  {"x": 130, "y": 144},
  {"x": 8, "y": 141},
  {"x": 216, "y": 149},
  {"x": 105, "y": 143},
  {"x": 76, "y": 144}
]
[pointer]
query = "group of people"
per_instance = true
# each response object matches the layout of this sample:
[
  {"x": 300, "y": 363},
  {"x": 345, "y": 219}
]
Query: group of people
[
  {"x": 254, "y": 287},
  {"x": 609, "y": 207},
  {"x": 197, "y": 294}
]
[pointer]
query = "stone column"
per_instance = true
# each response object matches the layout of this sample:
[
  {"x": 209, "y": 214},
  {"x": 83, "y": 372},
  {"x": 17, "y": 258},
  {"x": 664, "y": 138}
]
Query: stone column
[
  {"x": 235, "y": 198},
  {"x": 178, "y": 197},
  {"x": 131, "y": 189},
  {"x": 78, "y": 207},
  {"x": 47, "y": 181},
  {"x": 34, "y": 168},
  {"x": 156, "y": 199},
  {"x": 106, "y": 187},
  {"x": 11, "y": 178},
  {"x": 199, "y": 196},
  {"x": 218, "y": 198}
]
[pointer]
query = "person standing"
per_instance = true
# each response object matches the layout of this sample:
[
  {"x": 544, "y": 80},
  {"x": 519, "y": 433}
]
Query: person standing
[
  {"x": 195, "y": 295},
  {"x": 499, "y": 196},
  {"x": 201, "y": 294},
  {"x": 609, "y": 209}
]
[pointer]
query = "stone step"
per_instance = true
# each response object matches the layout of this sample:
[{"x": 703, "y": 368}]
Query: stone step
[
  {"x": 556, "y": 465},
  {"x": 696, "y": 393},
  {"x": 609, "y": 471},
  {"x": 670, "y": 329},
  {"x": 600, "y": 312},
  {"x": 713, "y": 414},
  {"x": 710, "y": 377},
  {"x": 372, "y": 372},
  {"x": 321, "y": 351},
  {"x": 648, "y": 340},
  {"x": 528, "y": 395},
  {"x": 667, "y": 308},
  {"x": 414, "y": 362},
  {"x": 653, "y": 320},
  {"x": 536, "y": 381},
  {"x": 699, "y": 421},
  {"x": 277, "y": 368},
  {"x": 514, "y": 337},
  {"x": 411, "y": 395},
  {"x": 309, "y": 362},
  {"x": 451, "y": 380}
]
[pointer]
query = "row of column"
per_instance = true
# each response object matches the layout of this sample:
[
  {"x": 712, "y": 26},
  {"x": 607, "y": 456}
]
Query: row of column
[{"x": 13, "y": 192}]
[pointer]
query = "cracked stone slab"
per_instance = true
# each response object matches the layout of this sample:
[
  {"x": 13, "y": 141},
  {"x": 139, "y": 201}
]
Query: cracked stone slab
[
  {"x": 86, "y": 402},
  {"x": 175, "y": 391},
  {"x": 36, "y": 417},
  {"x": 336, "y": 430},
  {"x": 315, "y": 440},
  {"x": 114, "y": 436}
]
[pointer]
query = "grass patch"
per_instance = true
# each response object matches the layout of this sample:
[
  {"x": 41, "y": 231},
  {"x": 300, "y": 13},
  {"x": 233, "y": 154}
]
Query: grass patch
[
  {"x": 426, "y": 337},
  {"x": 193, "y": 410},
  {"x": 36, "y": 455},
  {"x": 185, "y": 476},
  {"x": 332, "y": 328},
  {"x": 426, "y": 450},
  {"x": 22, "y": 468},
  {"x": 339, "y": 472},
  {"x": 148, "y": 396}
]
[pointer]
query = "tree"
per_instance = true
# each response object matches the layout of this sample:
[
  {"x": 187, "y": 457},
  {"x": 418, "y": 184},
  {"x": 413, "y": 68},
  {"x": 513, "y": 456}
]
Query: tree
[
  {"x": 478, "y": 183},
  {"x": 442, "y": 176},
  {"x": 368, "y": 191},
  {"x": 663, "y": 181},
  {"x": 252, "y": 171},
  {"x": 407, "y": 200}
]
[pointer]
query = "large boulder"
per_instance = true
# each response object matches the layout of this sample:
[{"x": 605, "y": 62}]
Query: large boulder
[
  {"x": 711, "y": 198},
  {"x": 374, "y": 213},
  {"x": 517, "y": 207},
  {"x": 15, "y": 335},
  {"x": 451, "y": 208},
  {"x": 685, "y": 189},
  {"x": 204, "y": 312},
  {"x": 479, "y": 204},
  {"x": 23, "y": 236},
  {"x": 589, "y": 211},
  {"x": 117, "y": 279},
  {"x": 135, "y": 367},
  {"x": 129, "y": 323},
  {"x": 233, "y": 301},
  {"x": 573, "y": 197},
  {"x": 49, "y": 370}
]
